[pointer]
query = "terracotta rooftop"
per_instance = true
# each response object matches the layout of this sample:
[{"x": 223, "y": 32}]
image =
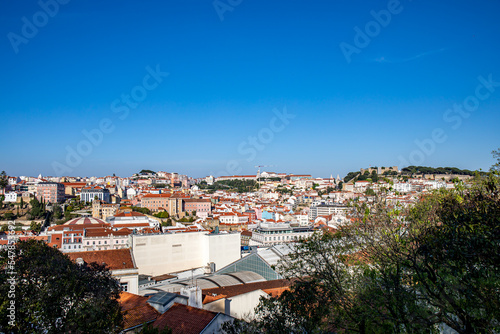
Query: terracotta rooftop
[
  {"x": 235, "y": 290},
  {"x": 115, "y": 259},
  {"x": 129, "y": 214},
  {"x": 136, "y": 310},
  {"x": 104, "y": 232},
  {"x": 184, "y": 319}
]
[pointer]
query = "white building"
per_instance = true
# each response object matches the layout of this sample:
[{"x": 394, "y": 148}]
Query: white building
[
  {"x": 326, "y": 210},
  {"x": 88, "y": 194},
  {"x": 11, "y": 197},
  {"x": 269, "y": 234},
  {"x": 159, "y": 254}
]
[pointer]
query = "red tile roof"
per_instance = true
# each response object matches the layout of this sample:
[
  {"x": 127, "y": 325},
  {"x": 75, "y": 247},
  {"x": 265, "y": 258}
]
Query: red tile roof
[
  {"x": 115, "y": 259},
  {"x": 129, "y": 214},
  {"x": 235, "y": 290},
  {"x": 136, "y": 310},
  {"x": 184, "y": 319}
]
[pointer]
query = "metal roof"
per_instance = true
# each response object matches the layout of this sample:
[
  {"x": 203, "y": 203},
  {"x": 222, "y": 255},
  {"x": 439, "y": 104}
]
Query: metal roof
[
  {"x": 162, "y": 298},
  {"x": 208, "y": 282}
]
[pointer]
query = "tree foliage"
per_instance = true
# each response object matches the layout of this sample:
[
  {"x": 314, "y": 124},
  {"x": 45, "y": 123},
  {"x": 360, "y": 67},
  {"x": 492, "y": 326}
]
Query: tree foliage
[
  {"x": 439, "y": 170},
  {"x": 144, "y": 211},
  {"x": 54, "y": 294},
  {"x": 240, "y": 186},
  {"x": 496, "y": 155},
  {"x": 37, "y": 209},
  {"x": 398, "y": 270},
  {"x": 3, "y": 180}
]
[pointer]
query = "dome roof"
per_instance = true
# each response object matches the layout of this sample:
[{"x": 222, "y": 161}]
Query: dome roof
[{"x": 85, "y": 221}]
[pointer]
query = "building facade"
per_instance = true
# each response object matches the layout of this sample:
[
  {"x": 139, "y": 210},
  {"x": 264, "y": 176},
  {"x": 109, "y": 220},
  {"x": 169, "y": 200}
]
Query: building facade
[
  {"x": 88, "y": 194},
  {"x": 50, "y": 192}
]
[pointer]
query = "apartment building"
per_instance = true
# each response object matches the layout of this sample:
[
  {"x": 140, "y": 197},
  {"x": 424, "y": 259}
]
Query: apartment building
[{"x": 50, "y": 192}]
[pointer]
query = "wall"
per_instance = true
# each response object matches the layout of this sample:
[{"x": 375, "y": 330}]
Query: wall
[
  {"x": 168, "y": 253},
  {"x": 242, "y": 306}
]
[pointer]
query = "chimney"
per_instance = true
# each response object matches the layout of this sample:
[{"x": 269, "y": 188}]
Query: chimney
[
  {"x": 227, "y": 306},
  {"x": 193, "y": 293}
]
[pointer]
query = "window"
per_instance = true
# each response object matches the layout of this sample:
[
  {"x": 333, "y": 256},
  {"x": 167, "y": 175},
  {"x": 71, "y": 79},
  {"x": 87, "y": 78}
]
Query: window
[{"x": 124, "y": 286}]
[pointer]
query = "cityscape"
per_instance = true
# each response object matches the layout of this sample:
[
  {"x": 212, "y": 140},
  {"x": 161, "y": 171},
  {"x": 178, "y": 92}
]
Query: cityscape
[{"x": 234, "y": 166}]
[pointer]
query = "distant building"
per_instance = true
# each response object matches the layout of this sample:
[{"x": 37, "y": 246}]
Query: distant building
[
  {"x": 293, "y": 177},
  {"x": 88, "y": 194},
  {"x": 50, "y": 192},
  {"x": 11, "y": 197},
  {"x": 172, "y": 203},
  {"x": 326, "y": 210},
  {"x": 102, "y": 210},
  {"x": 202, "y": 207},
  {"x": 132, "y": 220},
  {"x": 268, "y": 234}
]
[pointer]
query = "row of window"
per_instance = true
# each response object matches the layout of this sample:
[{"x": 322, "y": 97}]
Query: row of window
[{"x": 105, "y": 242}]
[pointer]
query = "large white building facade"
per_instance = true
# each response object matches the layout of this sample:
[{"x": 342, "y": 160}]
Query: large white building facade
[
  {"x": 157, "y": 254},
  {"x": 90, "y": 193}
]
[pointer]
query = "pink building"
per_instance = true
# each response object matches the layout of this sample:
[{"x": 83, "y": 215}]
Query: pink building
[
  {"x": 203, "y": 207},
  {"x": 52, "y": 192}
]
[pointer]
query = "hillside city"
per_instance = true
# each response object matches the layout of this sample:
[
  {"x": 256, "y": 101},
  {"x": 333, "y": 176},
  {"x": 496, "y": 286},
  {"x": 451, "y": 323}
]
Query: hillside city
[{"x": 200, "y": 251}]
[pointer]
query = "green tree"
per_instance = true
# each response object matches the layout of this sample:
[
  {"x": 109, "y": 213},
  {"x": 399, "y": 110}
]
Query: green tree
[
  {"x": 37, "y": 208},
  {"x": 9, "y": 216},
  {"x": 370, "y": 192},
  {"x": 55, "y": 295},
  {"x": 496, "y": 155},
  {"x": 4, "y": 181},
  {"x": 57, "y": 212},
  {"x": 398, "y": 270},
  {"x": 35, "y": 227}
]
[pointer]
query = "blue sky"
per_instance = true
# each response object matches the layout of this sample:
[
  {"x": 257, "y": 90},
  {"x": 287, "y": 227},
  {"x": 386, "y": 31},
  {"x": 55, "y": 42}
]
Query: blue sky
[{"x": 228, "y": 78}]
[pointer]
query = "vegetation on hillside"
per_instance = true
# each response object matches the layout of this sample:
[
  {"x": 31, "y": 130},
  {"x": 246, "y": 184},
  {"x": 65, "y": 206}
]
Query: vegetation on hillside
[
  {"x": 416, "y": 170},
  {"x": 240, "y": 186}
]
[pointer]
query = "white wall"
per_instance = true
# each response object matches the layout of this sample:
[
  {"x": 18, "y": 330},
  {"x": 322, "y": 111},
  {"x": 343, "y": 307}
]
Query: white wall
[
  {"x": 242, "y": 306},
  {"x": 169, "y": 253},
  {"x": 223, "y": 249}
]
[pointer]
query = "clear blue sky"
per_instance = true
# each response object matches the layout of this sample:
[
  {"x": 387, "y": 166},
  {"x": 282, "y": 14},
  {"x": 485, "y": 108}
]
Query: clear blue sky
[{"x": 227, "y": 76}]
